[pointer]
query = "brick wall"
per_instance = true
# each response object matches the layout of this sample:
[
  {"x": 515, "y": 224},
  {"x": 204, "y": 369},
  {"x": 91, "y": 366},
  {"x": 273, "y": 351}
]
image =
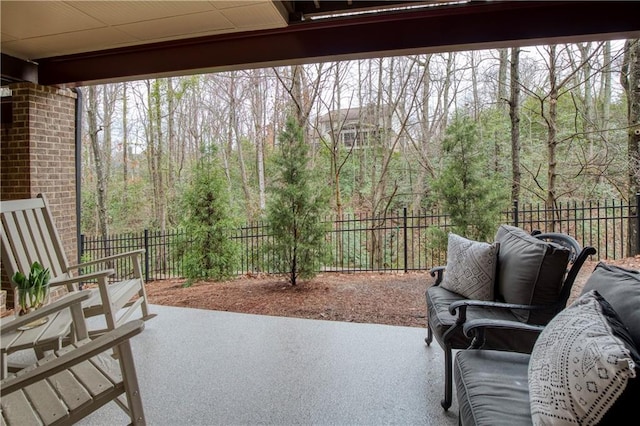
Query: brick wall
[{"x": 37, "y": 155}]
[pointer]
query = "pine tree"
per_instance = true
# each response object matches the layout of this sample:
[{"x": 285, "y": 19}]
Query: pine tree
[
  {"x": 206, "y": 219},
  {"x": 466, "y": 188},
  {"x": 295, "y": 208}
]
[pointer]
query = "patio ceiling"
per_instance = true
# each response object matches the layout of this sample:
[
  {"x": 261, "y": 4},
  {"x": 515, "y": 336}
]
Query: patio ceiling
[{"x": 74, "y": 43}]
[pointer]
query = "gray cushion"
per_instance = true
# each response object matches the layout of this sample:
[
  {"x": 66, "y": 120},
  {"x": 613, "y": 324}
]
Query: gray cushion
[
  {"x": 530, "y": 271},
  {"x": 491, "y": 387},
  {"x": 471, "y": 268},
  {"x": 580, "y": 365},
  {"x": 621, "y": 288}
]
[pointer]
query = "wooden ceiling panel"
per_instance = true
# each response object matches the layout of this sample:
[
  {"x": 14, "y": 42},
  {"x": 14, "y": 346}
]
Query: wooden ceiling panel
[
  {"x": 26, "y": 19},
  {"x": 256, "y": 16},
  {"x": 63, "y": 44},
  {"x": 221, "y": 4},
  {"x": 177, "y": 27},
  {"x": 127, "y": 12}
]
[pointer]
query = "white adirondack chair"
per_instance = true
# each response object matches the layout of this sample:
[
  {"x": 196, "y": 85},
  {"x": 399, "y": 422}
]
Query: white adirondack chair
[
  {"x": 29, "y": 234},
  {"x": 73, "y": 382}
]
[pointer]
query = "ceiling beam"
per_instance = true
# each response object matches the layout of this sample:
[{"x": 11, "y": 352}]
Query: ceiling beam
[
  {"x": 468, "y": 26},
  {"x": 16, "y": 70}
]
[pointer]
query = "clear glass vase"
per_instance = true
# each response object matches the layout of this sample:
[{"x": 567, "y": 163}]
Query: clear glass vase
[{"x": 29, "y": 299}]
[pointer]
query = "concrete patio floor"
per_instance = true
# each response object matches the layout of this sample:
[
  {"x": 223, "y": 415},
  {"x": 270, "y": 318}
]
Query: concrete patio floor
[{"x": 199, "y": 367}]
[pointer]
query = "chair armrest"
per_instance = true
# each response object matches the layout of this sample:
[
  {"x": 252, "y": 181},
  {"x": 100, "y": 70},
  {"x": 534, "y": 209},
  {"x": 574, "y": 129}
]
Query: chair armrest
[
  {"x": 459, "y": 307},
  {"x": 476, "y": 329},
  {"x": 92, "y": 348},
  {"x": 58, "y": 305},
  {"x": 439, "y": 271},
  {"x": 463, "y": 304},
  {"x": 83, "y": 277},
  {"x": 131, "y": 253}
]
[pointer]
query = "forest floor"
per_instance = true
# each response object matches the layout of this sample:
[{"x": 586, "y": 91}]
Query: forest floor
[{"x": 379, "y": 298}]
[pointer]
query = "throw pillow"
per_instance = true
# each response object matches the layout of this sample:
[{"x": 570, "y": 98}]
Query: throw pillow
[
  {"x": 471, "y": 268},
  {"x": 621, "y": 288},
  {"x": 530, "y": 271},
  {"x": 581, "y": 364}
]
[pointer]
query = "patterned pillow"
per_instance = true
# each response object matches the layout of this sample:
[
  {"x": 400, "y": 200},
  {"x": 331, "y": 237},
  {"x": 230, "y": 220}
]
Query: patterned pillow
[
  {"x": 581, "y": 364},
  {"x": 471, "y": 268}
]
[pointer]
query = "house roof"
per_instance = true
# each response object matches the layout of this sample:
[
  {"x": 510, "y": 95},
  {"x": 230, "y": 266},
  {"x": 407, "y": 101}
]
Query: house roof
[{"x": 72, "y": 43}]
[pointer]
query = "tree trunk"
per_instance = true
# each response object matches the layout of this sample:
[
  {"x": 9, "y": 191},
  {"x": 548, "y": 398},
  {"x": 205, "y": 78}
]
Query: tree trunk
[
  {"x": 447, "y": 87},
  {"x": 101, "y": 179},
  {"x": 171, "y": 136},
  {"x": 423, "y": 143},
  {"x": 474, "y": 86},
  {"x": 235, "y": 135},
  {"x": 552, "y": 142},
  {"x": 606, "y": 84},
  {"x": 588, "y": 120},
  {"x": 259, "y": 119},
  {"x": 108, "y": 106},
  {"x": 125, "y": 142},
  {"x": 502, "y": 76},
  {"x": 630, "y": 79},
  {"x": 155, "y": 151},
  {"x": 514, "y": 114}
]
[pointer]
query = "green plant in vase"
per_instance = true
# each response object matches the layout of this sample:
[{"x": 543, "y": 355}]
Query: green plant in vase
[{"x": 32, "y": 291}]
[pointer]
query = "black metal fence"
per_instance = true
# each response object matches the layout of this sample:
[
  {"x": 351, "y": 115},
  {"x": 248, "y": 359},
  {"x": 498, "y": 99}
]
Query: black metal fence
[{"x": 396, "y": 242}]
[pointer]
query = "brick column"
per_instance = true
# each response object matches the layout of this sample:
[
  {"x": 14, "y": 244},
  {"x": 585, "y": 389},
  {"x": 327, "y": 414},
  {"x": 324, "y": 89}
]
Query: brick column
[{"x": 37, "y": 155}]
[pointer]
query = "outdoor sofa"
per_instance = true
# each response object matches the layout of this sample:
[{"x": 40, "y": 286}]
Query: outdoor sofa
[{"x": 583, "y": 368}]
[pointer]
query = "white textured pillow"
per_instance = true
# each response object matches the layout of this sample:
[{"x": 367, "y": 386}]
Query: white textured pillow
[
  {"x": 471, "y": 268},
  {"x": 578, "y": 367}
]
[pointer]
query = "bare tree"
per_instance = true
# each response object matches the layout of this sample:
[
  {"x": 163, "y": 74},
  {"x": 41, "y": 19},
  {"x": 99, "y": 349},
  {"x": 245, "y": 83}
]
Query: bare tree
[
  {"x": 98, "y": 159},
  {"x": 125, "y": 140},
  {"x": 561, "y": 80},
  {"x": 514, "y": 114},
  {"x": 154, "y": 130},
  {"x": 109, "y": 98},
  {"x": 259, "y": 115},
  {"x": 502, "y": 75},
  {"x": 606, "y": 96},
  {"x": 630, "y": 80}
]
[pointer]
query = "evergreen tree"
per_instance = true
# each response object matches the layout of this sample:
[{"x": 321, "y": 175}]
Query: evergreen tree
[
  {"x": 206, "y": 219},
  {"x": 467, "y": 188},
  {"x": 295, "y": 209}
]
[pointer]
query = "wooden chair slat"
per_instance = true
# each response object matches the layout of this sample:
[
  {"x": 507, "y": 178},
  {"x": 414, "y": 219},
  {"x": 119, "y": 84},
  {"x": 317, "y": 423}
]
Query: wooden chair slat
[
  {"x": 16, "y": 410},
  {"x": 46, "y": 402}
]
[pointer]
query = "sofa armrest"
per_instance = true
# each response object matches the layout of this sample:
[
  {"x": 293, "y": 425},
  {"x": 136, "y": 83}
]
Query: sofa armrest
[
  {"x": 459, "y": 308},
  {"x": 438, "y": 272},
  {"x": 476, "y": 329}
]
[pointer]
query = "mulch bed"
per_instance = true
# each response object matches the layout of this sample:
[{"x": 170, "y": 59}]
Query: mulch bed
[{"x": 380, "y": 298}]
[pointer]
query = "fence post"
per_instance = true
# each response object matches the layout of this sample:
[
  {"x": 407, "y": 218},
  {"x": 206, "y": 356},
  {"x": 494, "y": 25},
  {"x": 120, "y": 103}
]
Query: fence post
[
  {"x": 516, "y": 223},
  {"x": 146, "y": 255},
  {"x": 81, "y": 248},
  {"x": 406, "y": 245},
  {"x": 81, "y": 244}
]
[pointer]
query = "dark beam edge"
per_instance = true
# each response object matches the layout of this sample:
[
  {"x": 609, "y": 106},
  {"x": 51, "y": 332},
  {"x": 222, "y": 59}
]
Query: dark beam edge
[
  {"x": 15, "y": 70},
  {"x": 356, "y": 38}
]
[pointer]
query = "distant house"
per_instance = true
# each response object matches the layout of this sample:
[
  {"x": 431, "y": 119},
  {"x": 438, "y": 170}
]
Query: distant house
[{"x": 353, "y": 127}]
